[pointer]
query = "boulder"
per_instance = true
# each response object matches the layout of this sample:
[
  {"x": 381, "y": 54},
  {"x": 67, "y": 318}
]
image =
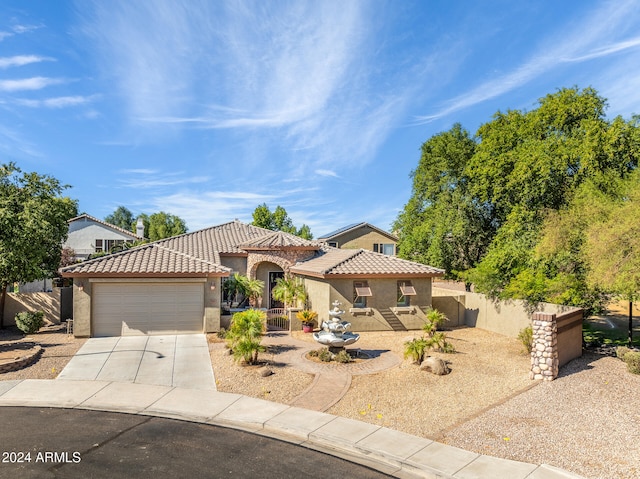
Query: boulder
[
  {"x": 265, "y": 371},
  {"x": 435, "y": 365}
]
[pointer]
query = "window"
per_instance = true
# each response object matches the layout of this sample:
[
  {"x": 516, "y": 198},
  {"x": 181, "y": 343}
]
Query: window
[
  {"x": 361, "y": 291},
  {"x": 108, "y": 244},
  {"x": 333, "y": 243},
  {"x": 385, "y": 248},
  {"x": 405, "y": 291}
]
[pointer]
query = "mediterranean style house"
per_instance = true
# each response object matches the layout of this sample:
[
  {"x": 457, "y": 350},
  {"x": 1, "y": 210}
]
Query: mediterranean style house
[
  {"x": 174, "y": 285},
  {"x": 362, "y": 235}
]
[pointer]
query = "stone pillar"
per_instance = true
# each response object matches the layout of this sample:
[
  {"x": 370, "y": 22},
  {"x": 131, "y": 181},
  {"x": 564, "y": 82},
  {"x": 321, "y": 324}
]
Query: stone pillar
[{"x": 544, "y": 351}]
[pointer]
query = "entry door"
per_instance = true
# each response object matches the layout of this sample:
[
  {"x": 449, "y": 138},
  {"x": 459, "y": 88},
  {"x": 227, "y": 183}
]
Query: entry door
[{"x": 273, "y": 277}]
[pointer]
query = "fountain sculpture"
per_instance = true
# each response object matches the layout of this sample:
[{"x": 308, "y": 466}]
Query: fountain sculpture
[{"x": 334, "y": 331}]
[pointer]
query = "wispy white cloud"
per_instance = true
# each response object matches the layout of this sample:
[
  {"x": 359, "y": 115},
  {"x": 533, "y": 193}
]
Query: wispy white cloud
[
  {"x": 582, "y": 43},
  {"x": 21, "y": 60},
  {"x": 145, "y": 178},
  {"x": 293, "y": 70},
  {"x": 34, "y": 83},
  {"x": 18, "y": 29},
  {"x": 330, "y": 173},
  {"x": 58, "y": 102}
]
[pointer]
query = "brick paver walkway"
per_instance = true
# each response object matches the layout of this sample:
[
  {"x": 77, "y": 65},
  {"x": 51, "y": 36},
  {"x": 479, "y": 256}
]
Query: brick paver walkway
[{"x": 332, "y": 380}]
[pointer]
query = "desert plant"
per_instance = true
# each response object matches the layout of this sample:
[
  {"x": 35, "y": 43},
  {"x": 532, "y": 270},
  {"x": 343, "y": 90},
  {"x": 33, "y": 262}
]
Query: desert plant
[
  {"x": 29, "y": 322},
  {"x": 343, "y": 357},
  {"x": 222, "y": 334},
  {"x": 632, "y": 359},
  {"x": 245, "y": 335},
  {"x": 325, "y": 355},
  {"x": 621, "y": 351},
  {"x": 434, "y": 319},
  {"x": 526, "y": 338},
  {"x": 438, "y": 342},
  {"x": 416, "y": 349}
]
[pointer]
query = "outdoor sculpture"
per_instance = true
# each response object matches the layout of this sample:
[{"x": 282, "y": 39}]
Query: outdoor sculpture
[{"x": 334, "y": 331}]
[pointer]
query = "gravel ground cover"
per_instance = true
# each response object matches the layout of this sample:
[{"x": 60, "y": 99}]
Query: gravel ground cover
[{"x": 58, "y": 348}]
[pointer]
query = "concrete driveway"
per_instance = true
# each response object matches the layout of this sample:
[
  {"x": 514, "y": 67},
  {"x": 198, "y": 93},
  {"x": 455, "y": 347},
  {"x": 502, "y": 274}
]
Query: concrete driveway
[{"x": 168, "y": 360}]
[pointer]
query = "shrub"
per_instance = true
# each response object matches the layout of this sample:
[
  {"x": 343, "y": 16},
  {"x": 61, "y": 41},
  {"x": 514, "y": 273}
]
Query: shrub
[
  {"x": 314, "y": 353},
  {"x": 29, "y": 322},
  {"x": 434, "y": 320},
  {"x": 343, "y": 357},
  {"x": 222, "y": 334},
  {"x": 632, "y": 358},
  {"x": 245, "y": 335},
  {"x": 526, "y": 338},
  {"x": 621, "y": 351},
  {"x": 416, "y": 349},
  {"x": 325, "y": 355}
]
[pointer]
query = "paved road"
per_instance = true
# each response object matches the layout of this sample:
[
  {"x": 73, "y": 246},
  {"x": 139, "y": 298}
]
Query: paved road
[{"x": 90, "y": 444}]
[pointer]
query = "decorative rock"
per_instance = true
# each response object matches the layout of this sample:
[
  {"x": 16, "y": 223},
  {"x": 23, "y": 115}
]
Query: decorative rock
[
  {"x": 265, "y": 371},
  {"x": 435, "y": 365}
]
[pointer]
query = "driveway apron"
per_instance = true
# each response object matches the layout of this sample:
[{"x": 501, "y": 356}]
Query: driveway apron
[{"x": 166, "y": 360}]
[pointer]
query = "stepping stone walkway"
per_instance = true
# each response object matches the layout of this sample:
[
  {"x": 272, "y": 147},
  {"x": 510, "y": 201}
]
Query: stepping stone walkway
[{"x": 332, "y": 380}]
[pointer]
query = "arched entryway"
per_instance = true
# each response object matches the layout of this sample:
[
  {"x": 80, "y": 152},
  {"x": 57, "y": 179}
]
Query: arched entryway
[{"x": 269, "y": 273}]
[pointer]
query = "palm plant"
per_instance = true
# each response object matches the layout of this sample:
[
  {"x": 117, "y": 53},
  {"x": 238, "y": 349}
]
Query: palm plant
[
  {"x": 245, "y": 335},
  {"x": 251, "y": 289},
  {"x": 289, "y": 290},
  {"x": 416, "y": 349}
]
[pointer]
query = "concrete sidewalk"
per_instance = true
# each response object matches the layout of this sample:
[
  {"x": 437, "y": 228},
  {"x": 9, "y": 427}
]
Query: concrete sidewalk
[
  {"x": 386, "y": 450},
  {"x": 166, "y": 360}
]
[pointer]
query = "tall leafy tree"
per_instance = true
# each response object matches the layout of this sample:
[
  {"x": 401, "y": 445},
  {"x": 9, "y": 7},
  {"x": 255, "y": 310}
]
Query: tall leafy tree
[
  {"x": 164, "y": 225},
  {"x": 613, "y": 248},
  {"x": 121, "y": 217},
  {"x": 278, "y": 220},
  {"x": 33, "y": 226},
  {"x": 442, "y": 224}
]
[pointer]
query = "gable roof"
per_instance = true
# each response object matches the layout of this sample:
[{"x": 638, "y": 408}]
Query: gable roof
[
  {"x": 334, "y": 262},
  {"x": 104, "y": 223},
  {"x": 198, "y": 254},
  {"x": 355, "y": 226}
]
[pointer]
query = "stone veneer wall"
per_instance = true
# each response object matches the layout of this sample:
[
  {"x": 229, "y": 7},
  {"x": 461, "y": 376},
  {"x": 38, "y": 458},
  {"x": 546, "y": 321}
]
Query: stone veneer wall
[
  {"x": 544, "y": 353},
  {"x": 283, "y": 258}
]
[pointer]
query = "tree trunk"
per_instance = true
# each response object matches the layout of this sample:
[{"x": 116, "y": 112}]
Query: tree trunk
[
  {"x": 630, "y": 323},
  {"x": 3, "y": 297}
]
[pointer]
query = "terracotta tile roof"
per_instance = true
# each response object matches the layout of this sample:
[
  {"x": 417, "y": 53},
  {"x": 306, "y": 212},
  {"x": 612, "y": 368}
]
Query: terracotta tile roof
[
  {"x": 333, "y": 261},
  {"x": 198, "y": 254},
  {"x": 150, "y": 259},
  {"x": 109, "y": 225},
  {"x": 280, "y": 240}
]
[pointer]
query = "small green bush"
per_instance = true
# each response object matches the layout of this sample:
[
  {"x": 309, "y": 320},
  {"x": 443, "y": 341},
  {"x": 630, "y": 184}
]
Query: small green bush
[
  {"x": 526, "y": 338},
  {"x": 343, "y": 357},
  {"x": 632, "y": 358},
  {"x": 314, "y": 353},
  {"x": 222, "y": 334},
  {"x": 325, "y": 355},
  {"x": 29, "y": 322},
  {"x": 621, "y": 351}
]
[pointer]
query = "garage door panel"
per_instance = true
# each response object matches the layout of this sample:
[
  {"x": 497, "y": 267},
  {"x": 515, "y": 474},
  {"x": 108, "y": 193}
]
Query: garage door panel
[{"x": 147, "y": 308}]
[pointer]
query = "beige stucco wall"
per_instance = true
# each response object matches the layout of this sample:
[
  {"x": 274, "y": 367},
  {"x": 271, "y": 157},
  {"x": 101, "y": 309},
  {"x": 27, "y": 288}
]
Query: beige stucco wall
[
  {"x": 81, "y": 308},
  {"x": 49, "y": 303},
  {"x": 236, "y": 263},
  {"x": 502, "y": 317},
  {"x": 364, "y": 238},
  {"x": 322, "y": 293},
  {"x": 212, "y": 305}
]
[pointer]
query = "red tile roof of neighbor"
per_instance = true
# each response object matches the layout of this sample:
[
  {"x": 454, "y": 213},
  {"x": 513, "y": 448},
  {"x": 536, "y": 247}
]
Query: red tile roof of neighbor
[{"x": 198, "y": 254}]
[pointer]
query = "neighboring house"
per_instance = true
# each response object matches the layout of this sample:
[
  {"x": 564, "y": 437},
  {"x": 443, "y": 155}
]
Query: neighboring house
[
  {"x": 89, "y": 235},
  {"x": 175, "y": 285},
  {"x": 362, "y": 235}
]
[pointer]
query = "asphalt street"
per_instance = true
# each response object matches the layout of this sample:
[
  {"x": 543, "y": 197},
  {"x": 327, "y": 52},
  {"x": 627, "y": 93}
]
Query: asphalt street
[{"x": 65, "y": 443}]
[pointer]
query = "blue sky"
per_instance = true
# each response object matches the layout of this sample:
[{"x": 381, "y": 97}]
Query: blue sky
[{"x": 206, "y": 109}]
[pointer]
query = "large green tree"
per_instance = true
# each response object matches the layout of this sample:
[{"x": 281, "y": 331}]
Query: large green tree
[
  {"x": 164, "y": 225},
  {"x": 278, "y": 220},
  {"x": 33, "y": 226},
  {"x": 121, "y": 217},
  {"x": 442, "y": 224},
  {"x": 510, "y": 188}
]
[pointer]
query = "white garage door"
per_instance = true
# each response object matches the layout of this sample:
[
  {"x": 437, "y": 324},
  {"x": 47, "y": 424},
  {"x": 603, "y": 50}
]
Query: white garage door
[{"x": 124, "y": 309}]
